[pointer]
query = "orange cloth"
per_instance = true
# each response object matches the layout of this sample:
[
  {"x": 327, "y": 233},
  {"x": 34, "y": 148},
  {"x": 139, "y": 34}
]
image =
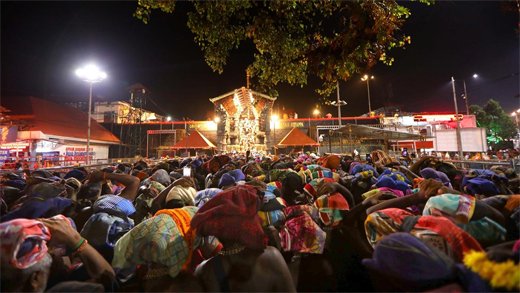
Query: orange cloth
[
  {"x": 331, "y": 162},
  {"x": 417, "y": 182},
  {"x": 512, "y": 202}
]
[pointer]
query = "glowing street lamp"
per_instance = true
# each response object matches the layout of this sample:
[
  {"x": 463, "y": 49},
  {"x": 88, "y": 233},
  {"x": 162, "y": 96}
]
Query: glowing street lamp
[
  {"x": 465, "y": 96},
  {"x": 217, "y": 120},
  {"x": 168, "y": 118},
  {"x": 274, "y": 118},
  {"x": 92, "y": 75},
  {"x": 316, "y": 112},
  {"x": 366, "y": 78}
]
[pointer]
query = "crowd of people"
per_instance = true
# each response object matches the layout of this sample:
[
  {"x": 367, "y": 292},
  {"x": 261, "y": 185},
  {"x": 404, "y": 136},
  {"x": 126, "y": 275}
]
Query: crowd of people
[{"x": 242, "y": 222}]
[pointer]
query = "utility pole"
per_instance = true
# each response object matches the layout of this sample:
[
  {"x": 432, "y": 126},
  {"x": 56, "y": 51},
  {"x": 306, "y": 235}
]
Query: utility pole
[{"x": 459, "y": 139}]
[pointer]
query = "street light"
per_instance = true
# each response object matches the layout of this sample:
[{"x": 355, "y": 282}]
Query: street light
[
  {"x": 274, "y": 118},
  {"x": 168, "y": 118},
  {"x": 217, "y": 120},
  {"x": 465, "y": 96},
  {"x": 365, "y": 78},
  {"x": 459, "y": 140},
  {"x": 316, "y": 112},
  {"x": 92, "y": 75}
]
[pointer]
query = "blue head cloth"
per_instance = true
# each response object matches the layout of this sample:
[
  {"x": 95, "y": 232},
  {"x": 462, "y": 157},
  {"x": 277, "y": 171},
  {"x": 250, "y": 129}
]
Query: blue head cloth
[
  {"x": 429, "y": 173},
  {"x": 363, "y": 167},
  {"x": 481, "y": 186},
  {"x": 75, "y": 173},
  {"x": 393, "y": 184},
  {"x": 203, "y": 196},
  {"x": 231, "y": 178},
  {"x": 16, "y": 183},
  {"x": 411, "y": 261}
]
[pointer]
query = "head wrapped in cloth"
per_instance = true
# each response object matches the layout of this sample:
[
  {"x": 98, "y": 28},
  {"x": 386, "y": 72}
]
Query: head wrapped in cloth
[
  {"x": 162, "y": 177},
  {"x": 165, "y": 239},
  {"x": 181, "y": 196},
  {"x": 24, "y": 242},
  {"x": 232, "y": 215}
]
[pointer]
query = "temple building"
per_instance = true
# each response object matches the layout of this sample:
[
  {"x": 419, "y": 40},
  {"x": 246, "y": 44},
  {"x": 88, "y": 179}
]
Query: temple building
[{"x": 243, "y": 121}]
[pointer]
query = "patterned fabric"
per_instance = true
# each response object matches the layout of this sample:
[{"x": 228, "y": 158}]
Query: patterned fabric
[
  {"x": 325, "y": 174},
  {"x": 165, "y": 239},
  {"x": 485, "y": 231},
  {"x": 380, "y": 158},
  {"x": 439, "y": 232},
  {"x": 271, "y": 218},
  {"x": 232, "y": 215},
  {"x": 300, "y": 233},
  {"x": 276, "y": 184},
  {"x": 113, "y": 202},
  {"x": 330, "y": 207},
  {"x": 306, "y": 175},
  {"x": 158, "y": 187},
  {"x": 458, "y": 208},
  {"x": 203, "y": 196},
  {"x": 23, "y": 242},
  {"x": 311, "y": 188}
]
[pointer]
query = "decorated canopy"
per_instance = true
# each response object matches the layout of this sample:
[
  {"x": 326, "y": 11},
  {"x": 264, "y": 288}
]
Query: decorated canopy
[
  {"x": 297, "y": 138},
  {"x": 195, "y": 141}
]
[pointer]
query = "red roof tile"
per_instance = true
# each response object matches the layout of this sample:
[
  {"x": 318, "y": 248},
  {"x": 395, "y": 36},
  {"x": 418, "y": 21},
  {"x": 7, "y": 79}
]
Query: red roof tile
[{"x": 55, "y": 119}]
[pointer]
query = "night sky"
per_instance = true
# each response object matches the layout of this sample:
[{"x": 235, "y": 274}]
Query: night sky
[{"x": 43, "y": 43}]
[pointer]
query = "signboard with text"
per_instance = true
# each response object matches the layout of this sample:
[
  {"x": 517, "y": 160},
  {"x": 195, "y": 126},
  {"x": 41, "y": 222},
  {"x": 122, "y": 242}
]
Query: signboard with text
[
  {"x": 78, "y": 153},
  {"x": 4, "y": 155}
]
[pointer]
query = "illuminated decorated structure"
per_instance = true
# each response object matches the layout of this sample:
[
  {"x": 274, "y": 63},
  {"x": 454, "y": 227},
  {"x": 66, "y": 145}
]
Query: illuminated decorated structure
[{"x": 243, "y": 120}]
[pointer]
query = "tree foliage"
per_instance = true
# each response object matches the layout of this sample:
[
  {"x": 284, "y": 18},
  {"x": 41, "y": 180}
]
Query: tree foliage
[
  {"x": 295, "y": 39},
  {"x": 499, "y": 125}
]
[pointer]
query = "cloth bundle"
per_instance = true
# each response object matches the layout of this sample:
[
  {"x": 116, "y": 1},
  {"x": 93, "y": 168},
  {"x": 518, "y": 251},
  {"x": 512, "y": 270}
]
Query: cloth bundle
[{"x": 203, "y": 196}]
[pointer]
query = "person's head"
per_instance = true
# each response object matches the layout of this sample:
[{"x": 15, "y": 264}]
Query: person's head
[
  {"x": 89, "y": 191},
  {"x": 25, "y": 262}
]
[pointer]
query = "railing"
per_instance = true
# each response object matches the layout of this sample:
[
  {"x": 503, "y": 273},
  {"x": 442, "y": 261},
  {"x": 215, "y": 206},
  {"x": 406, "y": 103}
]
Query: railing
[
  {"x": 100, "y": 164},
  {"x": 513, "y": 163}
]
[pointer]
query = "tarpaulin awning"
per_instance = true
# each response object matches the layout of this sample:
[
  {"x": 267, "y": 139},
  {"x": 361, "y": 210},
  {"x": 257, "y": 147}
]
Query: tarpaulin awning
[
  {"x": 296, "y": 137},
  {"x": 195, "y": 141},
  {"x": 365, "y": 132}
]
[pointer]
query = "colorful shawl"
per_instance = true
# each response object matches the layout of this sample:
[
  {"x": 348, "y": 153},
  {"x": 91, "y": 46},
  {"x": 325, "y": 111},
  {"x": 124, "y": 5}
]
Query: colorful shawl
[
  {"x": 439, "y": 232},
  {"x": 330, "y": 207},
  {"x": 165, "y": 239},
  {"x": 311, "y": 188},
  {"x": 271, "y": 218},
  {"x": 325, "y": 174},
  {"x": 300, "y": 233},
  {"x": 24, "y": 242},
  {"x": 458, "y": 208}
]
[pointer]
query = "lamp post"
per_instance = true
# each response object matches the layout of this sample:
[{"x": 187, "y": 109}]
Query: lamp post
[
  {"x": 186, "y": 134},
  {"x": 90, "y": 74},
  {"x": 274, "y": 119},
  {"x": 459, "y": 140},
  {"x": 367, "y": 79},
  {"x": 465, "y": 97},
  {"x": 338, "y": 103}
]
